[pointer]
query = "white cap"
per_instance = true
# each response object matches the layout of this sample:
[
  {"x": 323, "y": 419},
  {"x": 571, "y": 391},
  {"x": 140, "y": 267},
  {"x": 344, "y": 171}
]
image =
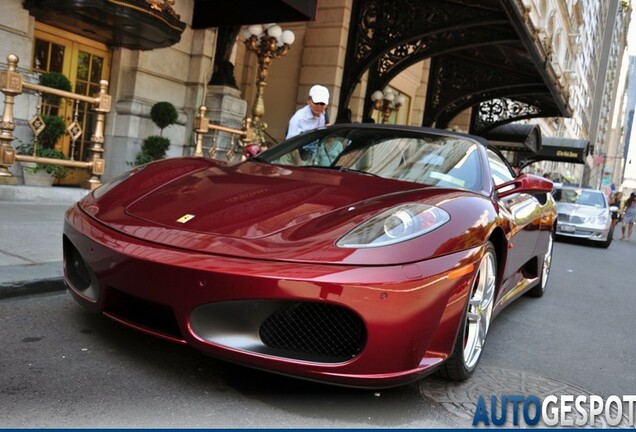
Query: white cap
[{"x": 319, "y": 94}]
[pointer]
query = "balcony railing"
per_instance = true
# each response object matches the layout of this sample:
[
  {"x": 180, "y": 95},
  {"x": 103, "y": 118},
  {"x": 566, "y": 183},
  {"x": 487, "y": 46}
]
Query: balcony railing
[
  {"x": 233, "y": 149},
  {"x": 12, "y": 84}
]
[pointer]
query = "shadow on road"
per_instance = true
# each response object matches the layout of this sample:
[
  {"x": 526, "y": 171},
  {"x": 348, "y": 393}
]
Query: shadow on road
[{"x": 172, "y": 362}]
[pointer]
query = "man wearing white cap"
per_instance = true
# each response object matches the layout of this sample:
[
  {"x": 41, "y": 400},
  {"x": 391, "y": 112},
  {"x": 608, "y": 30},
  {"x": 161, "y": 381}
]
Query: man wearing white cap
[{"x": 312, "y": 115}]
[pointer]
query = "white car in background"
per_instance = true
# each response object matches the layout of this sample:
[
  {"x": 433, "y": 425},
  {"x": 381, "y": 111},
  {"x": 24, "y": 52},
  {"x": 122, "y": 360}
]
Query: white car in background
[{"x": 583, "y": 213}]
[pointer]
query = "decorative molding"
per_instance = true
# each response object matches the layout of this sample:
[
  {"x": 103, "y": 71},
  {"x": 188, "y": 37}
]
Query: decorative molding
[{"x": 503, "y": 110}]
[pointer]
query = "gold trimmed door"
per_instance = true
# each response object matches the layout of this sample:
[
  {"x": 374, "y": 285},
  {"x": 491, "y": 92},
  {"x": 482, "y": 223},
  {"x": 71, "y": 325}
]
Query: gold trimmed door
[{"x": 84, "y": 62}]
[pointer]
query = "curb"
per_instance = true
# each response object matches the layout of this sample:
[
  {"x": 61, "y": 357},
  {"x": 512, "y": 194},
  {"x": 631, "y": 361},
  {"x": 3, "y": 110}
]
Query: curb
[
  {"x": 42, "y": 195},
  {"x": 26, "y": 288}
]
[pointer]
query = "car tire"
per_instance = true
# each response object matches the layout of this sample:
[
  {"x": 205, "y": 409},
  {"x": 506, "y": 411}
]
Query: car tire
[
  {"x": 610, "y": 236},
  {"x": 475, "y": 321},
  {"x": 539, "y": 289}
]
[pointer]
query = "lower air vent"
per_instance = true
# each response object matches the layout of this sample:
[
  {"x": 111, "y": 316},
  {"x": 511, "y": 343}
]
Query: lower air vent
[{"x": 315, "y": 329}]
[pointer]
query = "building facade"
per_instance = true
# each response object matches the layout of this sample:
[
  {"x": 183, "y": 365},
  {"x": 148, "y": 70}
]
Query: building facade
[
  {"x": 629, "y": 149},
  {"x": 466, "y": 67},
  {"x": 606, "y": 107},
  {"x": 599, "y": 40}
]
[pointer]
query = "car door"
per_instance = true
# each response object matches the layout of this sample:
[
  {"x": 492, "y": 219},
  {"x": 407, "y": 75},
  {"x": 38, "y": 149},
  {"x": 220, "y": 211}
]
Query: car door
[{"x": 524, "y": 211}]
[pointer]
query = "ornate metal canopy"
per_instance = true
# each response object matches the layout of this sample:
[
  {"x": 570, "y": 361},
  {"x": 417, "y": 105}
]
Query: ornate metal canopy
[
  {"x": 134, "y": 24},
  {"x": 482, "y": 55}
]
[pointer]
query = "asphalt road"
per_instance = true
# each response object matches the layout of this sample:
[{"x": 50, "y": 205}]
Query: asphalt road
[
  {"x": 63, "y": 367},
  {"x": 583, "y": 330}
]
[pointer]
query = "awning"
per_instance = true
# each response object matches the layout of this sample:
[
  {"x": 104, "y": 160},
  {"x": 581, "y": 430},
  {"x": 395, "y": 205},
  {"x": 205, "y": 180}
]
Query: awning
[
  {"x": 223, "y": 13},
  {"x": 516, "y": 137},
  {"x": 132, "y": 24},
  {"x": 558, "y": 150}
]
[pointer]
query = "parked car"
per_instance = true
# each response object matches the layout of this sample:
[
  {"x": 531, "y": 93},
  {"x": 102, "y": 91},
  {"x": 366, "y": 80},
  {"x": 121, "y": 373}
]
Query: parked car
[
  {"x": 369, "y": 266},
  {"x": 584, "y": 213}
]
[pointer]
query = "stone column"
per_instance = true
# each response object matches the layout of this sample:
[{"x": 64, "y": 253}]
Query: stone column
[{"x": 225, "y": 108}]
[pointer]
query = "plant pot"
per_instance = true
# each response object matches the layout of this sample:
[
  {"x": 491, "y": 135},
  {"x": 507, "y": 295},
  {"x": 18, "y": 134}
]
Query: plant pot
[
  {"x": 74, "y": 177},
  {"x": 39, "y": 178}
]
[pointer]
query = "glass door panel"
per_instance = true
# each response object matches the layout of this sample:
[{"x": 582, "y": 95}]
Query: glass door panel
[
  {"x": 84, "y": 62},
  {"x": 88, "y": 75}
]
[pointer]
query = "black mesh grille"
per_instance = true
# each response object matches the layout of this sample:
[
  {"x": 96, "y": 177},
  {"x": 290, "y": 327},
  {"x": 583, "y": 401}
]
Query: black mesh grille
[{"x": 315, "y": 329}]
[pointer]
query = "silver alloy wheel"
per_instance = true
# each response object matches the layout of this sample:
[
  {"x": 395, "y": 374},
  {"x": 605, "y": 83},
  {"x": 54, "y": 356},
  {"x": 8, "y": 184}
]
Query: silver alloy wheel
[
  {"x": 547, "y": 263},
  {"x": 479, "y": 310}
]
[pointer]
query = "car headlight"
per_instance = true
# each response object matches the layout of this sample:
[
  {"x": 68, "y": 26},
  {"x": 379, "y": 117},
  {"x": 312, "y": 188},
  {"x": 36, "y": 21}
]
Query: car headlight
[
  {"x": 395, "y": 225},
  {"x": 600, "y": 220}
]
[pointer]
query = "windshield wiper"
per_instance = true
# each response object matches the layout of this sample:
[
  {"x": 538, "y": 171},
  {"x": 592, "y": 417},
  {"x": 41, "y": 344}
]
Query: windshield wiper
[
  {"x": 345, "y": 169},
  {"x": 340, "y": 168}
]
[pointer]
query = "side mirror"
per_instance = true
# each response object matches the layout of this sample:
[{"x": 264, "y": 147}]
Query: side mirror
[
  {"x": 614, "y": 208},
  {"x": 528, "y": 183}
]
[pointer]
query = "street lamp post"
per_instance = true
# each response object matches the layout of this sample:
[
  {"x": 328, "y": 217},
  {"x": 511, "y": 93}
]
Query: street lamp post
[
  {"x": 268, "y": 42},
  {"x": 387, "y": 102}
]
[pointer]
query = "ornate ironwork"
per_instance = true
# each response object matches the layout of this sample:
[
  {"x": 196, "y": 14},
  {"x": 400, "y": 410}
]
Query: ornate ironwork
[
  {"x": 401, "y": 57},
  {"x": 461, "y": 82},
  {"x": 11, "y": 85},
  {"x": 388, "y": 36},
  {"x": 37, "y": 124},
  {"x": 74, "y": 130},
  {"x": 378, "y": 26},
  {"x": 497, "y": 111},
  {"x": 238, "y": 138}
]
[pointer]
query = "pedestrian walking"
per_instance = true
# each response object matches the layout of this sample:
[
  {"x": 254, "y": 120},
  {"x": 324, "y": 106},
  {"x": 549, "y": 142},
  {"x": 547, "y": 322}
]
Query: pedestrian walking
[
  {"x": 311, "y": 116},
  {"x": 629, "y": 216},
  {"x": 616, "y": 201}
]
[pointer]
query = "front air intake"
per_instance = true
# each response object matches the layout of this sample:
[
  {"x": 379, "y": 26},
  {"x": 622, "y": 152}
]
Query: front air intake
[{"x": 315, "y": 329}]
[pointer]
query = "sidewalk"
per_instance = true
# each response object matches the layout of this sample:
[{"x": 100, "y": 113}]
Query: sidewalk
[{"x": 31, "y": 221}]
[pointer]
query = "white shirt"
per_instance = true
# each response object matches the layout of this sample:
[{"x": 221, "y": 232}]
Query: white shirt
[{"x": 304, "y": 120}]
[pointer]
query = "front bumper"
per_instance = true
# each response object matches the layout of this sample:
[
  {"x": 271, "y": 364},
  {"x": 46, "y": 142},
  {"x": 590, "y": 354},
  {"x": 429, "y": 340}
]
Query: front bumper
[
  {"x": 357, "y": 326},
  {"x": 583, "y": 231}
]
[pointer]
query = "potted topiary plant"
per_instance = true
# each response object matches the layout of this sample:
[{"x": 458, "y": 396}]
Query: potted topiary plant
[
  {"x": 153, "y": 148},
  {"x": 163, "y": 114},
  {"x": 57, "y": 81}
]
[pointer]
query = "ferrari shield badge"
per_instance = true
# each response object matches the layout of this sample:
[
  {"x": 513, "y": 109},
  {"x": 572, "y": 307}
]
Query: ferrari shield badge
[{"x": 185, "y": 218}]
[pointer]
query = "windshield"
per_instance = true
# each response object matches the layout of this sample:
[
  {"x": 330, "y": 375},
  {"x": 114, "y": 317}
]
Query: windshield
[
  {"x": 579, "y": 196},
  {"x": 418, "y": 157}
]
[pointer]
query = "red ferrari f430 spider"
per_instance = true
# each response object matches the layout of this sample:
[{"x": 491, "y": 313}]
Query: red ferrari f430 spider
[{"x": 360, "y": 255}]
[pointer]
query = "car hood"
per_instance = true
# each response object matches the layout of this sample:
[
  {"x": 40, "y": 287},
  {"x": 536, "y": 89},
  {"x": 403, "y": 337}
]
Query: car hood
[
  {"x": 254, "y": 200},
  {"x": 260, "y": 211},
  {"x": 582, "y": 211}
]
